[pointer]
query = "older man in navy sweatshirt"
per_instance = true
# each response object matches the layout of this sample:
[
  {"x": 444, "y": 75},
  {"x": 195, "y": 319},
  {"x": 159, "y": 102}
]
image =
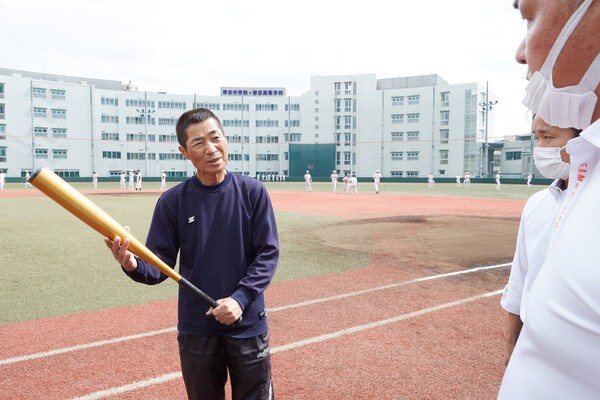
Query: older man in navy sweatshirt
[{"x": 223, "y": 227}]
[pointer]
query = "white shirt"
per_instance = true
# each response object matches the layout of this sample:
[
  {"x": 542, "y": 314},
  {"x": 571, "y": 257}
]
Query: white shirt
[
  {"x": 307, "y": 178},
  {"x": 535, "y": 230},
  {"x": 557, "y": 355},
  {"x": 376, "y": 177},
  {"x": 353, "y": 181}
]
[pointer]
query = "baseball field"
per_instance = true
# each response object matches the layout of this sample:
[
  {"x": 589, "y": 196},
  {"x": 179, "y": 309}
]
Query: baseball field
[{"x": 390, "y": 296}]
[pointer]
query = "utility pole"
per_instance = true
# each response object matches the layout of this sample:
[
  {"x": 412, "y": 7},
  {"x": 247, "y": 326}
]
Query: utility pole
[
  {"x": 486, "y": 106},
  {"x": 145, "y": 113}
]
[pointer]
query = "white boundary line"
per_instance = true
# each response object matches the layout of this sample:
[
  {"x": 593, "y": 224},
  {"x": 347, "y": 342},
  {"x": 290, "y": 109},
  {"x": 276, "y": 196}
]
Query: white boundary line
[
  {"x": 344, "y": 332},
  {"x": 63, "y": 350}
]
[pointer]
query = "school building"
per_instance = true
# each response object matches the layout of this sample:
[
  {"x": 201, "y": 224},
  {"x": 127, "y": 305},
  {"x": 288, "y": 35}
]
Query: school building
[{"x": 405, "y": 127}]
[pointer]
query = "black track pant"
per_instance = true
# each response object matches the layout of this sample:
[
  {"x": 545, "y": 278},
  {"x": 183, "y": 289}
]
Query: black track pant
[{"x": 205, "y": 362}]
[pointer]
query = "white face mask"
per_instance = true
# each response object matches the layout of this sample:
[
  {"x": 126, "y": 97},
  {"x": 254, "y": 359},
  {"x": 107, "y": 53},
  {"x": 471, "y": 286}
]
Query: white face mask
[
  {"x": 549, "y": 162},
  {"x": 571, "y": 106}
]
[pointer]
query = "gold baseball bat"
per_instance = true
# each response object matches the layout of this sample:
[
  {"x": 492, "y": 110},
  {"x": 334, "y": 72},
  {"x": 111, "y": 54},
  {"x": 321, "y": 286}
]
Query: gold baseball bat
[{"x": 86, "y": 210}]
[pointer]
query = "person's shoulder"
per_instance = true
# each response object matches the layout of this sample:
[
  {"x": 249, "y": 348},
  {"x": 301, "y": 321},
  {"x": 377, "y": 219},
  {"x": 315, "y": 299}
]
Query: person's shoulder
[
  {"x": 246, "y": 181},
  {"x": 538, "y": 198}
]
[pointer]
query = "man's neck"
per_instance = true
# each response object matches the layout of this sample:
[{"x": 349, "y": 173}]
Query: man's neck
[{"x": 211, "y": 179}]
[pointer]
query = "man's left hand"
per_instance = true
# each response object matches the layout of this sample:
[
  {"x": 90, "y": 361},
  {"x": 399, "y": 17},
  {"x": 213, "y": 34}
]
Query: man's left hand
[{"x": 228, "y": 311}]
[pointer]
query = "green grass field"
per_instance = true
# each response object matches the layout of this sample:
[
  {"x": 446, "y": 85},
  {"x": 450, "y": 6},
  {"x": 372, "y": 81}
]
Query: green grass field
[{"x": 52, "y": 264}]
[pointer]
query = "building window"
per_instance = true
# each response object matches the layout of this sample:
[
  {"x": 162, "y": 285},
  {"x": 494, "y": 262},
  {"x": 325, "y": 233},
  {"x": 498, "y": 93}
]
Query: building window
[
  {"x": 444, "y": 117},
  {"x": 445, "y": 98},
  {"x": 412, "y": 173},
  {"x": 412, "y": 155},
  {"x": 41, "y": 153},
  {"x": 2, "y": 131},
  {"x": 135, "y": 137},
  {"x": 286, "y": 155},
  {"x": 59, "y": 153},
  {"x": 266, "y": 107},
  {"x": 59, "y": 113},
  {"x": 267, "y": 157},
  {"x": 347, "y": 88},
  {"x": 137, "y": 120},
  {"x": 397, "y": 136},
  {"x": 59, "y": 133},
  {"x": 347, "y": 122},
  {"x": 346, "y": 158},
  {"x": 512, "y": 155},
  {"x": 113, "y": 119},
  {"x": 235, "y": 123},
  {"x": 108, "y": 101},
  {"x": 443, "y": 156},
  {"x": 174, "y": 105},
  {"x": 267, "y": 139},
  {"x": 58, "y": 94},
  {"x": 412, "y": 118},
  {"x": 295, "y": 137},
  {"x": 39, "y": 93},
  {"x": 136, "y": 156},
  {"x": 412, "y": 135},
  {"x": 209, "y": 106},
  {"x": 397, "y": 155},
  {"x": 444, "y": 135},
  {"x": 2, "y": 115},
  {"x": 39, "y": 112},
  {"x": 67, "y": 173},
  {"x": 396, "y": 173},
  {"x": 337, "y": 86},
  {"x": 397, "y": 118},
  {"x": 110, "y": 136},
  {"x": 267, "y": 123},
  {"x": 1, "y": 90},
  {"x": 170, "y": 138},
  {"x": 111, "y": 154},
  {"x": 3, "y": 156},
  {"x": 398, "y": 101},
  {"x": 294, "y": 123},
  {"x": 40, "y": 132},
  {"x": 236, "y": 107},
  {"x": 292, "y": 107},
  {"x": 347, "y": 105},
  {"x": 170, "y": 156},
  {"x": 172, "y": 121},
  {"x": 139, "y": 103},
  {"x": 413, "y": 100}
]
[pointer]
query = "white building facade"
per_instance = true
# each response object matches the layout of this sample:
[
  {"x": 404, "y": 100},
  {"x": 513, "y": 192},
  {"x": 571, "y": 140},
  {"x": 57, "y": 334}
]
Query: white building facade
[{"x": 404, "y": 127}]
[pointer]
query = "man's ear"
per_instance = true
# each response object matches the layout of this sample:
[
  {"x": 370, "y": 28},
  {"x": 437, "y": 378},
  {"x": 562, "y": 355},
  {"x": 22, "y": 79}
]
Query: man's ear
[{"x": 182, "y": 151}]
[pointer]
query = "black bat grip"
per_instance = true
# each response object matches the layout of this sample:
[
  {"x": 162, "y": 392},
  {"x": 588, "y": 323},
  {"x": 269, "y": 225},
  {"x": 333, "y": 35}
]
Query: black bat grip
[{"x": 203, "y": 296}]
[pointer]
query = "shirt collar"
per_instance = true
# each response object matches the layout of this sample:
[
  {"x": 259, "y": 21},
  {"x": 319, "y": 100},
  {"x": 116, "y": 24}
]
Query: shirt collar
[
  {"x": 555, "y": 188},
  {"x": 592, "y": 133}
]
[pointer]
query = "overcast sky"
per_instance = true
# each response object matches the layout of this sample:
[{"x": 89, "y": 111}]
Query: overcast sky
[{"x": 187, "y": 47}]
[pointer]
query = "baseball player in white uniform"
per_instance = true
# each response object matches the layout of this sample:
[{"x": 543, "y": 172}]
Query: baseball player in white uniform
[
  {"x": 376, "y": 180},
  {"x": 334, "y": 180},
  {"x": 308, "y": 181}
]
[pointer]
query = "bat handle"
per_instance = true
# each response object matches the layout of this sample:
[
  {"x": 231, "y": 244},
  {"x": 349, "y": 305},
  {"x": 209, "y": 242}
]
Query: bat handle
[{"x": 203, "y": 296}]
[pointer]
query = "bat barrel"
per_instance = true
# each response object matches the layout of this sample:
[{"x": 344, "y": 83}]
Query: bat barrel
[
  {"x": 83, "y": 208},
  {"x": 86, "y": 210}
]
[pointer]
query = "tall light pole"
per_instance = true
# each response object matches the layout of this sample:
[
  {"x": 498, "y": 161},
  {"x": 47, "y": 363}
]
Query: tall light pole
[
  {"x": 145, "y": 113},
  {"x": 486, "y": 107}
]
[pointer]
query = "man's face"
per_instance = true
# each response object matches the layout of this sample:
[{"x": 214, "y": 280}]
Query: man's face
[
  {"x": 206, "y": 147},
  {"x": 551, "y": 136},
  {"x": 545, "y": 19}
]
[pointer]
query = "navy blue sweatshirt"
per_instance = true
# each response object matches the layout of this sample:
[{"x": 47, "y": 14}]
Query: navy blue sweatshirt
[{"x": 227, "y": 239}]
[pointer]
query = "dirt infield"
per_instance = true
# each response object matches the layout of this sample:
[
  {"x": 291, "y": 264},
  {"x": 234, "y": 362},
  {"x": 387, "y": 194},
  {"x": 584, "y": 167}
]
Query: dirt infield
[{"x": 417, "y": 322}]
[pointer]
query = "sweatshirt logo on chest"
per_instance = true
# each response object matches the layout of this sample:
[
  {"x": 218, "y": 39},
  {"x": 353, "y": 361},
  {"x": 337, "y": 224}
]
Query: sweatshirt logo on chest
[{"x": 191, "y": 219}]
